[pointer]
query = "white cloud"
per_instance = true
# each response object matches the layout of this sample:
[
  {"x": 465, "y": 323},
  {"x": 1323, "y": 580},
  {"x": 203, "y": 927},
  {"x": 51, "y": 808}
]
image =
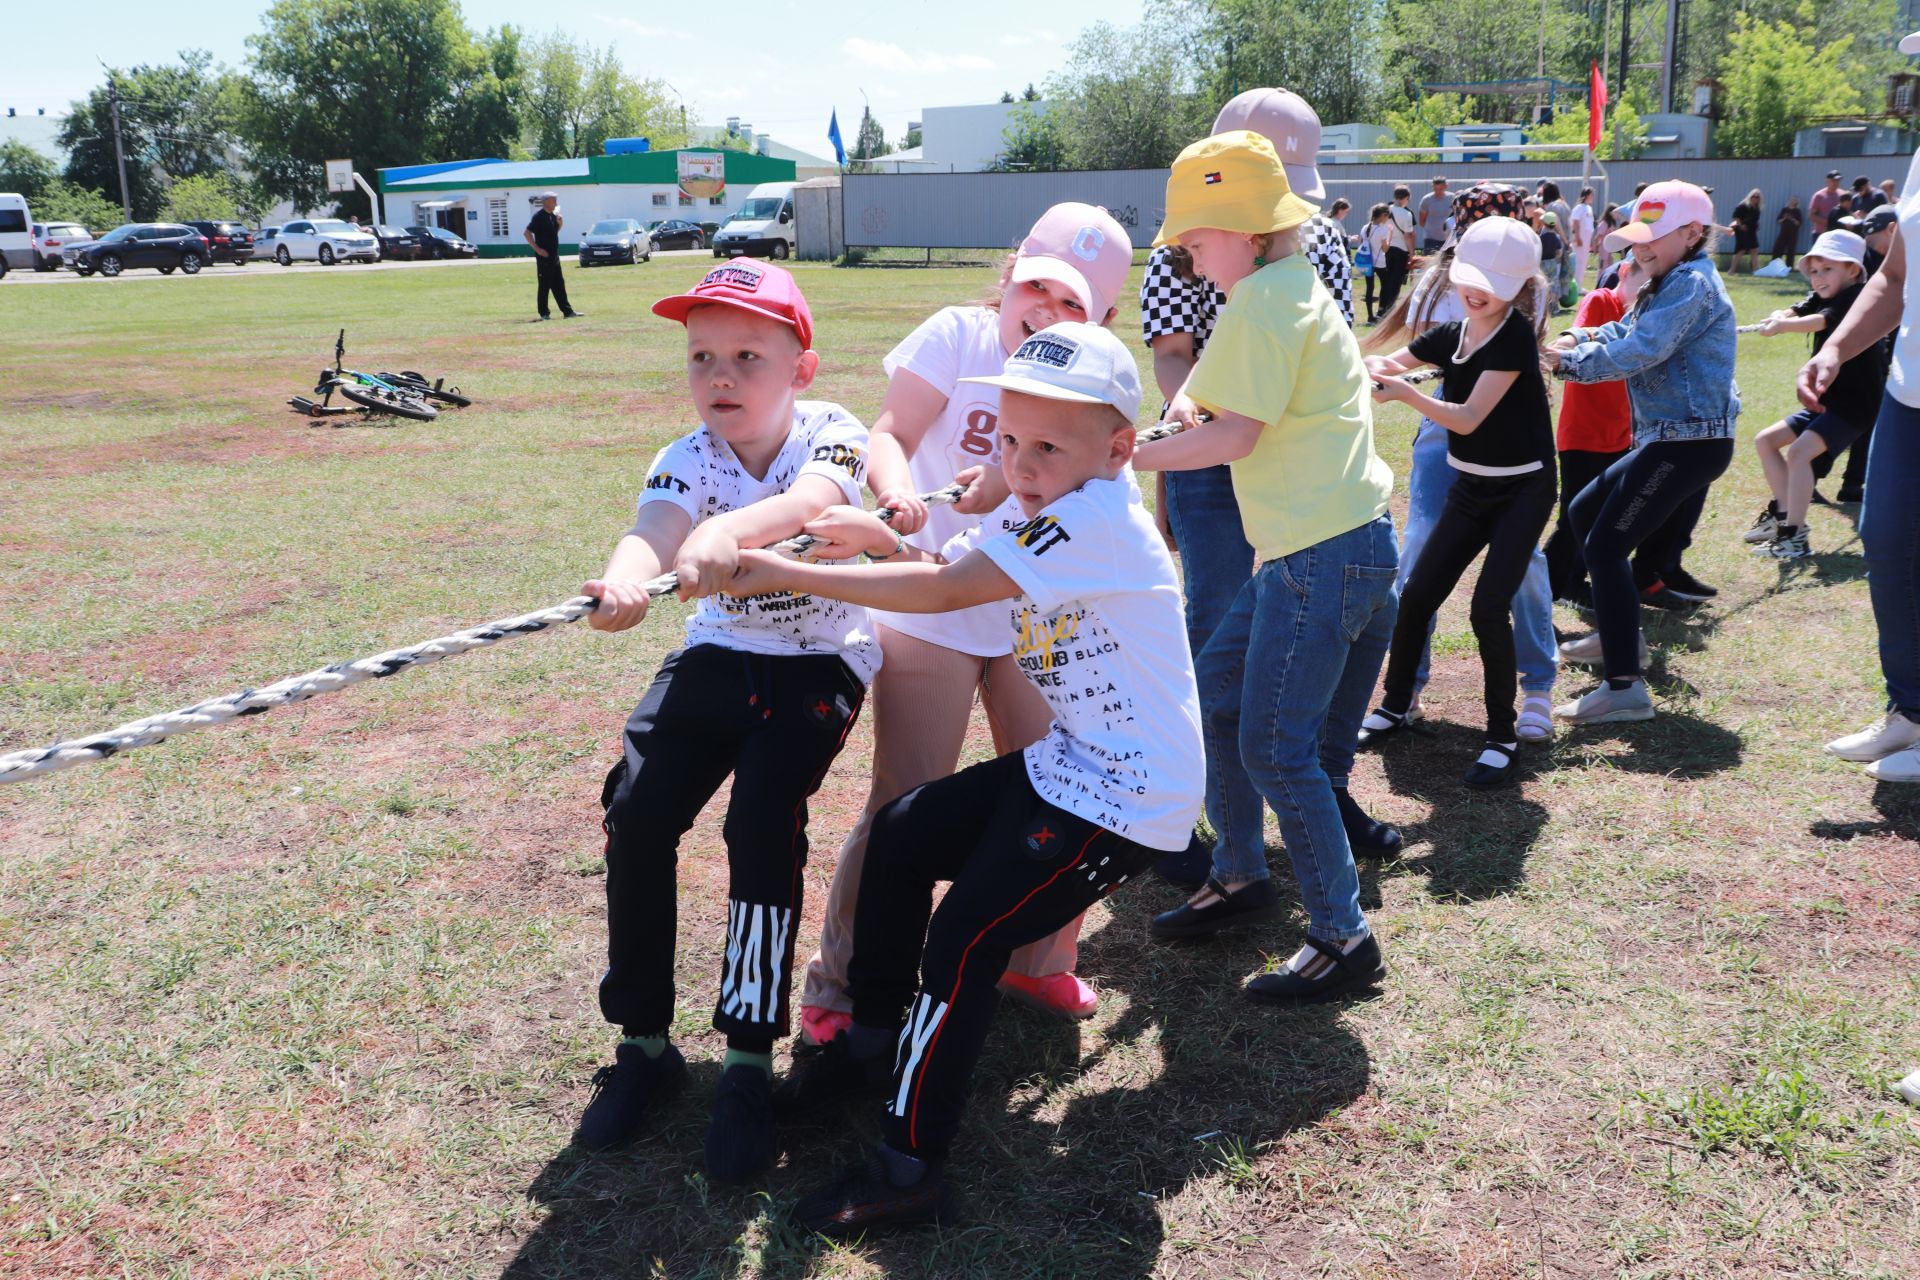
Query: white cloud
[
  {"x": 1029, "y": 38},
  {"x": 642, "y": 29},
  {"x": 891, "y": 57}
]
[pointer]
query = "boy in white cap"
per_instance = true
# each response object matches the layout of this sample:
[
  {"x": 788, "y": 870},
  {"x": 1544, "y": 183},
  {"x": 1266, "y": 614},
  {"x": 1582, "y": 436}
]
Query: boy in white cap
[
  {"x": 1031, "y": 839},
  {"x": 1835, "y": 267}
]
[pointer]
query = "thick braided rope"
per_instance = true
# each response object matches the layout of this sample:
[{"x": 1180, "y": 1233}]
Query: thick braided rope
[
  {"x": 16, "y": 766},
  {"x": 1750, "y": 328}
]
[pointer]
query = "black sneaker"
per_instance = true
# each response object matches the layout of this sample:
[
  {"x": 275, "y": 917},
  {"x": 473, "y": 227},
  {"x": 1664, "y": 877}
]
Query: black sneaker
[
  {"x": 1660, "y": 596},
  {"x": 827, "y": 1075},
  {"x": 571, "y": 315},
  {"x": 1579, "y": 595},
  {"x": 1352, "y": 971},
  {"x": 1688, "y": 587},
  {"x": 1367, "y": 838},
  {"x": 1249, "y": 904},
  {"x": 740, "y": 1134},
  {"x": 623, "y": 1092},
  {"x": 1850, "y": 497},
  {"x": 862, "y": 1198},
  {"x": 1187, "y": 868},
  {"x": 1820, "y": 499}
]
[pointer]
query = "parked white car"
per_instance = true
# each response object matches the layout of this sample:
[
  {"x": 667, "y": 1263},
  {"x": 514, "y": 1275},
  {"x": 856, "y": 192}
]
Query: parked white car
[
  {"x": 612, "y": 240},
  {"x": 326, "y": 241},
  {"x": 51, "y": 240}
]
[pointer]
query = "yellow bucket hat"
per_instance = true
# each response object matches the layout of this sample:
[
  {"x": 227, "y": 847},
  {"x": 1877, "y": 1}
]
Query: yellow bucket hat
[{"x": 1232, "y": 181}]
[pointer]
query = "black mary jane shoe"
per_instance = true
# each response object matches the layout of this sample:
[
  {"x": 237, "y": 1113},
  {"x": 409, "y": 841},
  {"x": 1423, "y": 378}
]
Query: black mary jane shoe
[
  {"x": 1371, "y": 736},
  {"x": 1352, "y": 971},
  {"x": 1486, "y": 777},
  {"x": 1249, "y": 904}
]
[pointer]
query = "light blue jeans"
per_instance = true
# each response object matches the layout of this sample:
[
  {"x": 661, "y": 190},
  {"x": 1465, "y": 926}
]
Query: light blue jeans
[
  {"x": 1534, "y": 649},
  {"x": 1284, "y": 681}
]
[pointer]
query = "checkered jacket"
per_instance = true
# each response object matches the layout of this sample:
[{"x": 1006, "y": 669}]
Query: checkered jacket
[{"x": 1169, "y": 304}]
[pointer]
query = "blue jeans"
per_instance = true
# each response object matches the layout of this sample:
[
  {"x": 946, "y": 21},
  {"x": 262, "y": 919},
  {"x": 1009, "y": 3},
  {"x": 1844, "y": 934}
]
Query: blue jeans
[
  {"x": 1284, "y": 684},
  {"x": 1890, "y": 532},
  {"x": 1534, "y": 647},
  {"x": 1215, "y": 557}
]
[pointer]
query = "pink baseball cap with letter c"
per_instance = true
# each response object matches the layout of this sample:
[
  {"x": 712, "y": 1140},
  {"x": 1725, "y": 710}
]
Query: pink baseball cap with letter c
[{"x": 1083, "y": 247}]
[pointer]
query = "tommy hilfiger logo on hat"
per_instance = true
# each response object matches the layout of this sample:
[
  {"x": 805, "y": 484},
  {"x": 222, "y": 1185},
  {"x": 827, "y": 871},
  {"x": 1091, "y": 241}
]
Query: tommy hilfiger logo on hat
[{"x": 1211, "y": 179}]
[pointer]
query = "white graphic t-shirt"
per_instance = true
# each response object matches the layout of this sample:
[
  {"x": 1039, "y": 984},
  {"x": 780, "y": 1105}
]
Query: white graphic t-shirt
[
  {"x": 953, "y": 343},
  {"x": 700, "y": 474},
  {"x": 1099, "y": 630}
]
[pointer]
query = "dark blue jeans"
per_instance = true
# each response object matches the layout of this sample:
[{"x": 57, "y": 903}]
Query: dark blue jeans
[{"x": 1890, "y": 532}]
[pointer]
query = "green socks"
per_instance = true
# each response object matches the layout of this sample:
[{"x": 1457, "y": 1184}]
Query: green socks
[
  {"x": 736, "y": 1057},
  {"x": 652, "y": 1046}
]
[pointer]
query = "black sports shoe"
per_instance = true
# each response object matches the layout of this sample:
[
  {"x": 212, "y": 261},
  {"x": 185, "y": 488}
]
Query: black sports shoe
[
  {"x": 862, "y": 1198},
  {"x": 1366, "y": 837},
  {"x": 571, "y": 315},
  {"x": 1352, "y": 971},
  {"x": 1660, "y": 596},
  {"x": 1850, "y": 497},
  {"x": 740, "y": 1134},
  {"x": 1249, "y": 904},
  {"x": 623, "y": 1092},
  {"x": 1579, "y": 595},
  {"x": 1688, "y": 587},
  {"x": 827, "y": 1075},
  {"x": 1186, "y": 868}
]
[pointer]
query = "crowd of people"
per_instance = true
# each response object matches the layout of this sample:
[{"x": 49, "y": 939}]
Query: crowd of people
[{"x": 1126, "y": 699}]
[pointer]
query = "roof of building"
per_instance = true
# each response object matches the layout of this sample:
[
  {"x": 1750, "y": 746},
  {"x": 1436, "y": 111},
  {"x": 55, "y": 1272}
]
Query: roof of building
[
  {"x": 499, "y": 173},
  {"x": 649, "y": 168}
]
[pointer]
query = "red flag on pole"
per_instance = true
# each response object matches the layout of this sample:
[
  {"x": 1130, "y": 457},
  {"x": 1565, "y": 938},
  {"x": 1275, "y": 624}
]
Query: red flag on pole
[{"x": 1596, "y": 105}]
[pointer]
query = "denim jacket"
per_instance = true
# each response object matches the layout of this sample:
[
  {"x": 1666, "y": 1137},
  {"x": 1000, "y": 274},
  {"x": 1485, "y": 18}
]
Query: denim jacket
[{"x": 1675, "y": 354}]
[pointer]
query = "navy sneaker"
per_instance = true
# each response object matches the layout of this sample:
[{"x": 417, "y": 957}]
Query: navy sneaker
[
  {"x": 623, "y": 1092},
  {"x": 865, "y": 1198},
  {"x": 740, "y": 1134},
  {"x": 827, "y": 1075},
  {"x": 1249, "y": 904}
]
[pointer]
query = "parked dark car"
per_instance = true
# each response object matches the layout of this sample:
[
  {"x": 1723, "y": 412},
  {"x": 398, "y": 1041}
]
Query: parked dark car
[
  {"x": 164, "y": 245},
  {"x": 398, "y": 243},
  {"x": 677, "y": 233},
  {"x": 438, "y": 242},
  {"x": 227, "y": 241}
]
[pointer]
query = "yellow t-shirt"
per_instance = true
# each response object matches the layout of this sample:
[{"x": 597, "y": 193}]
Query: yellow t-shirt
[{"x": 1281, "y": 353}]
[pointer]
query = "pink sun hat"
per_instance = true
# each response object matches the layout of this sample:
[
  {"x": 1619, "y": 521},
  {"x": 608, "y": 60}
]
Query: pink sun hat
[{"x": 1083, "y": 247}]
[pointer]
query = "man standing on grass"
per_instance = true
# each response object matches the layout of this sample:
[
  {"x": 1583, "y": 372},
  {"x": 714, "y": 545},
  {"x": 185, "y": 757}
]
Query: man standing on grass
[
  {"x": 1825, "y": 204},
  {"x": 543, "y": 233},
  {"x": 1435, "y": 208}
]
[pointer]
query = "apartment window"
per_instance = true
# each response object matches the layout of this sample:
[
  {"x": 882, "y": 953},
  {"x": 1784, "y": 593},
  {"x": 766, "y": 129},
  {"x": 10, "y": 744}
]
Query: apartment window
[
  {"x": 659, "y": 199},
  {"x": 686, "y": 201},
  {"x": 497, "y": 225},
  {"x": 713, "y": 199}
]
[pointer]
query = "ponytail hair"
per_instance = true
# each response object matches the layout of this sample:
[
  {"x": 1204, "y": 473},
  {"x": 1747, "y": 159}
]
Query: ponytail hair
[{"x": 1398, "y": 326}]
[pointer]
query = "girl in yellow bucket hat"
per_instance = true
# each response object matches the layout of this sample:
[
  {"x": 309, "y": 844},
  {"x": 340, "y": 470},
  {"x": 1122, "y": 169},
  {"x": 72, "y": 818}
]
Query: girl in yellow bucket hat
[{"x": 1287, "y": 674}]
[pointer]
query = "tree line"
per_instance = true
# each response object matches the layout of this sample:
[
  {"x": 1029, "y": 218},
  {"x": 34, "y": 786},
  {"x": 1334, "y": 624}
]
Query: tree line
[{"x": 1131, "y": 97}]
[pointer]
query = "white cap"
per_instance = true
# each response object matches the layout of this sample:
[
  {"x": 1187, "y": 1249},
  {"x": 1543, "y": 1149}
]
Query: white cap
[
  {"x": 1662, "y": 209},
  {"x": 1839, "y": 246},
  {"x": 1498, "y": 255},
  {"x": 1074, "y": 361},
  {"x": 1910, "y": 44},
  {"x": 549, "y": 195}
]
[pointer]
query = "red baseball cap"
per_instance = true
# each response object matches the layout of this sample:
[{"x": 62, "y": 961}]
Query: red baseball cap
[{"x": 746, "y": 285}]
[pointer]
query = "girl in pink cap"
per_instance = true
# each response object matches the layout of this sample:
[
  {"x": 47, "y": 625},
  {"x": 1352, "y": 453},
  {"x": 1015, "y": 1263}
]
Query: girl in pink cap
[{"x": 934, "y": 427}]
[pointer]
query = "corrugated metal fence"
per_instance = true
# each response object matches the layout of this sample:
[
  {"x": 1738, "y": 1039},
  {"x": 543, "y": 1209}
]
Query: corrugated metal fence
[{"x": 994, "y": 210}]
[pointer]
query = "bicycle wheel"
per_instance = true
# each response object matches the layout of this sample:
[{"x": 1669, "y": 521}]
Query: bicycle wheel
[
  {"x": 417, "y": 383},
  {"x": 393, "y": 402}
]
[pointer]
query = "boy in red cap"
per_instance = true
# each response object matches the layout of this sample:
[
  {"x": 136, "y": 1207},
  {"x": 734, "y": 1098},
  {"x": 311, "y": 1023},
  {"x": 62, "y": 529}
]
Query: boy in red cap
[{"x": 766, "y": 690}]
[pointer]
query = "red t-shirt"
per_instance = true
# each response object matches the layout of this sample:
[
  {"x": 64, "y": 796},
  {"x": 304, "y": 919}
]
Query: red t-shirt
[{"x": 1596, "y": 417}]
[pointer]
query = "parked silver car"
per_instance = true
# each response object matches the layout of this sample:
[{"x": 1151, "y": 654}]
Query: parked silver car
[{"x": 324, "y": 240}]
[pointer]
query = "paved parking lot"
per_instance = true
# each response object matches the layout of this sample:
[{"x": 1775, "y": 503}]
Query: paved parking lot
[{"x": 266, "y": 267}]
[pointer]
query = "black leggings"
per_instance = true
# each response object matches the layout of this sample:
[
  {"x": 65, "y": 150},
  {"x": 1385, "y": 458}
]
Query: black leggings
[
  {"x": 1633, "y": 501},
  {"x": 1021, "y": 869},
  {"x": 1505, "y": 515},
  {"x": 775, "y": 722},
  {"x": 1398, "y": 260},
  {"x": 1566, "y": 563}
]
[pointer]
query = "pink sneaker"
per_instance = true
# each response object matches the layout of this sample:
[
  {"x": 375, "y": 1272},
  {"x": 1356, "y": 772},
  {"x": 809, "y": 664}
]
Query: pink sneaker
[
  {"x": 1061, "y": 994},
  {"x": 818, "y": 1026}
]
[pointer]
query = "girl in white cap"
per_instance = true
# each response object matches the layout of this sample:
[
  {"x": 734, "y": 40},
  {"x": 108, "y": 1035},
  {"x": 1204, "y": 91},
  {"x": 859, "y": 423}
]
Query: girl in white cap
[
  {"x": 1675, "y": 351},
  {"x": 1789, "y": 448},
  {"x": 933, "y": 426},
  {"x": 1499, "y": 428}
]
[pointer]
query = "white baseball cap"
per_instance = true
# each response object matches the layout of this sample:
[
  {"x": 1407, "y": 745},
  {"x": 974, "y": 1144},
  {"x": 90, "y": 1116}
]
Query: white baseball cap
[
  {"x": 1839, "y": 246},
  {"x": 548, "y": 195},
  {"x": 1074, "y": 361},
  {"x": 1496, "y": 254},
  {"x": 1083, "y": 247},
  {"x": 1283, "y": 118},
  {"x": 1663, "y": 208}
]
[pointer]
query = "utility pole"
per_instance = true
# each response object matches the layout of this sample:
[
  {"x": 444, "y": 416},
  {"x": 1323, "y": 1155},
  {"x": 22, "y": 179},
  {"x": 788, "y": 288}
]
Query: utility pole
[
  {"x": 119, "y": 150},
  {"x": 1626, "y": 25}
]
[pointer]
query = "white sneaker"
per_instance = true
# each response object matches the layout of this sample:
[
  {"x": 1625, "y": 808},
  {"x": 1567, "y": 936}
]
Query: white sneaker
[
  {"x": 1608, "y": 705},
  {"x": 1901, "y": 766},
  {"x": 1765, "y": 526},
  {"x": 1892, "y": 732},
  {"x": 1910, "y": 1088},
  {"x": 1586, "y": 652}
]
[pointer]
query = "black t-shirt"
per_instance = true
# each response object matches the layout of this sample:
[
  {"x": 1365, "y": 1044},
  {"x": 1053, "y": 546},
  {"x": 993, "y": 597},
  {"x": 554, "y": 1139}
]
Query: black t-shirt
[
  {"x": 1549, "y": 245},
  {"x": 1868, "y": 201},
  {"x": 546, "y": 231},
  {"x": 1745, "y": 218},
  {"x": 1856, "y": 391},
  {"x": 1517, "y": 435}
]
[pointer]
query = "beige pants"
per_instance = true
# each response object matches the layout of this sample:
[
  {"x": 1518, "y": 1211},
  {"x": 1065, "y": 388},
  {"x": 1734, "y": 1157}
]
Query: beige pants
[{"x": 922, "y": 700}]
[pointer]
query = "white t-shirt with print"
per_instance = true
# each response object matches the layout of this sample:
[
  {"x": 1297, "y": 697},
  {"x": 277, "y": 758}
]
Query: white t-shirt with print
[
  {"x": 1583, "y": 225},
  {"x": 1099, "y": 630},
  {"x": 700, "y": 474},
  {"x": 1903, "y": 379},
  {"x": 953, "y": 343}
]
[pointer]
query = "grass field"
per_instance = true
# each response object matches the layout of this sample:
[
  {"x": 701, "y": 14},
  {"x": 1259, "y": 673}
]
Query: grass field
[{"x": 313, "y": 995}]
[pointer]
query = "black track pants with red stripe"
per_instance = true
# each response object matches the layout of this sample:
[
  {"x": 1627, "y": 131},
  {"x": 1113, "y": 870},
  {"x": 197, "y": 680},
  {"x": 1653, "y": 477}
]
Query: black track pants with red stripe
[
  {"x": 1020, "y": 868},
  {"x": 775, "y": 723}
]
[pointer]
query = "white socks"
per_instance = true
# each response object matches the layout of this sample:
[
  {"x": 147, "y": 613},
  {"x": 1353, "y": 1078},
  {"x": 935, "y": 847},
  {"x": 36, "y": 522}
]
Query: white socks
[
  {"x": 1309, "y": 963},
  {"x": 1496, "y": 760}
]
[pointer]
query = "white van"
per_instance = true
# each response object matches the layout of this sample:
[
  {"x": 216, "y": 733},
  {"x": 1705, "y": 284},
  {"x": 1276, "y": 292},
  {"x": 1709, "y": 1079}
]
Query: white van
[
  {"x": 16, "y": 231},
  {"x": 762, "y": 226}
]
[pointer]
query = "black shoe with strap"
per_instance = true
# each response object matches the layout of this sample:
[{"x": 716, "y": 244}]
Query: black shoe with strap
[
  {"x": 1230, "y": 909},
  {"x": 1366, "y": 837},
  {"x": 1350, "y": 971},
  {"x": 864, "y": 1198},
  {"x": 623, "y": 1092},
  {"x": 1483, "y": 776},
  {"x": 828, "y": 1075}
]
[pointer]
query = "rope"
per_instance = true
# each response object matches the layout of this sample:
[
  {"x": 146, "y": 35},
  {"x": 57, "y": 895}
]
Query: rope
[{"x": 1749, "y": 328}]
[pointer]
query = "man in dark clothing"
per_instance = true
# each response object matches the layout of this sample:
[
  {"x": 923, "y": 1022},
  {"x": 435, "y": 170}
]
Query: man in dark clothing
[{"x": 543, "y": 233}]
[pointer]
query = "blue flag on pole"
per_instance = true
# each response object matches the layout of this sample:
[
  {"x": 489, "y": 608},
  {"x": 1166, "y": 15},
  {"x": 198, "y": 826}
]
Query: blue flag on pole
[{"x": 833, "y": 136}]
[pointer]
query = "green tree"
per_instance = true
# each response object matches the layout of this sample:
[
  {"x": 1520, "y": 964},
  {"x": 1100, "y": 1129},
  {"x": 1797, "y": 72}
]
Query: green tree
[
  {"x": 1484, "y": 40},
  {"x": 176, "y": 121},
  {"x": 1125, "y": 99},
  {"x": 1866, "y": 63},
  {"x": 577, "y": 96},
  {"x": 382, "y": 82},
  {"x": 1033, "y": 142},
  {"x": 62, "y": 201},
  {"x": 1776, "y": 77},
  {"x": 870, "y": 143},
  {"x": 1571, "y": 126},
  {"x": 210, "y": 197},
  {"x": 909, "y": 140},
  {"x": 26, "y": 171},
  {"x": 1418, "y": 123},
  {"x": 1330, "y": 52}
]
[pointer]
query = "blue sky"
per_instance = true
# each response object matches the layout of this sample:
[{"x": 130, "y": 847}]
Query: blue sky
[{"x": 782, "y": 69}]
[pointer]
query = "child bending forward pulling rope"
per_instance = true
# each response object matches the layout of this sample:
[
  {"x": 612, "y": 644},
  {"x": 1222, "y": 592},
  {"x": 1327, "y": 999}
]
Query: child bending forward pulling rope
[{"x": 1032, "y": 839}]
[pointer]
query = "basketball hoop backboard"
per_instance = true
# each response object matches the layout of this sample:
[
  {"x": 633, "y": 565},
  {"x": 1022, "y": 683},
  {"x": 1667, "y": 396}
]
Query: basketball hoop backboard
[{"x": 339, "y": 175}]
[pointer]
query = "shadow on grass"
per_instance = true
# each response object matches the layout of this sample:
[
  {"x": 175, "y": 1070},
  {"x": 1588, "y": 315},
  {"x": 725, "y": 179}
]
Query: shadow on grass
[
  {"x": 1064, "y": 1161},
  {"x": 1898, "y": 804},
  {"x": 1477, "y": 841}
]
